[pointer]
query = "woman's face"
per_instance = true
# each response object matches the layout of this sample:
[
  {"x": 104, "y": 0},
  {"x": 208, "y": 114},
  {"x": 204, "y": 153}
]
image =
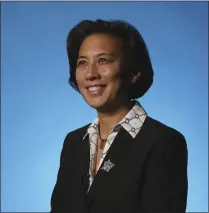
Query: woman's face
[{"x": 99, "y": 72}]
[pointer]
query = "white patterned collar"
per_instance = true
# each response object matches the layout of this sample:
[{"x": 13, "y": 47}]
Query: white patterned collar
[{"x": 132, "y": 122}]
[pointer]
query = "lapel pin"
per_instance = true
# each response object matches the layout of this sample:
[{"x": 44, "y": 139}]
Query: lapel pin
[{"x": 107, "y": 166}]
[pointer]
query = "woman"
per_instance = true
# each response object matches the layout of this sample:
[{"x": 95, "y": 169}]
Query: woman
[{"x": 124, "y": 161}]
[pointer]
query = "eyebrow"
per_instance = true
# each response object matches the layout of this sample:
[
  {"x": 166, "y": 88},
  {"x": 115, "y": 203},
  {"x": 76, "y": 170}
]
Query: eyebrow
[{"x": 100, "y": 54}]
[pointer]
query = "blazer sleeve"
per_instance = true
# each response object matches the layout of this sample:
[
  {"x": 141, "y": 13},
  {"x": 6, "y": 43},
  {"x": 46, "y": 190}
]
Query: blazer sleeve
[
  {"x": 165, "y": 182},
  {"x": 56, "y": 198},
  {"x": 66, "y": 195}
]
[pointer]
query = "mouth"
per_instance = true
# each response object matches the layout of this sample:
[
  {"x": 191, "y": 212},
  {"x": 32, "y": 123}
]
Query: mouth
[{"x": 96, "y": 89}]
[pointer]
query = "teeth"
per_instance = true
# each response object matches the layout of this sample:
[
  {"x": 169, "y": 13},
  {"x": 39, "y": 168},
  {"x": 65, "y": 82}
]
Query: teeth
[{"x": 94, "y": 88}]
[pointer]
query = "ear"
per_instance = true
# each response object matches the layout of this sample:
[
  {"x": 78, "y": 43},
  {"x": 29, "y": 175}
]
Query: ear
[{"x": 135, "y": 77}]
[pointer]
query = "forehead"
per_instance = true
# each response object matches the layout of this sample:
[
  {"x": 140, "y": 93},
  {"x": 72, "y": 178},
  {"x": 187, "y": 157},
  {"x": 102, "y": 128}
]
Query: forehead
[{"x": 100, "y": 42}]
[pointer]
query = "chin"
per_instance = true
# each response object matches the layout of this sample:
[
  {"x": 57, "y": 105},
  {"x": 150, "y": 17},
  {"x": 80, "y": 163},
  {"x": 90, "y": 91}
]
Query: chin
[
  {"x": 101, "y": 101},
  {"x": 96, "y": 103}
]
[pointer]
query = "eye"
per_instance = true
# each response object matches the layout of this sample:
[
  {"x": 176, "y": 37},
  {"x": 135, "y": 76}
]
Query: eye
[
  {"x": 81, "y": 63},
  {"x": 103, "y": 60}
]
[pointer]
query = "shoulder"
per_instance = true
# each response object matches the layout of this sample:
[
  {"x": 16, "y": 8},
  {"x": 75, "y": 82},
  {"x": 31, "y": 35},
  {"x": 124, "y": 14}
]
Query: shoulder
[
  {"x": 164, "y": 135},
  {"x": 80, "y": 132},
  {"x": 74, "y": 136},
  {"x": 158, "y": 128}
]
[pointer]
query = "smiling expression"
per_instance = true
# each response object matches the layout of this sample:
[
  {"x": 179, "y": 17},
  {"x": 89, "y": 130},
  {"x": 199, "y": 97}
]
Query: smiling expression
[{"x": 99, "y": 76}]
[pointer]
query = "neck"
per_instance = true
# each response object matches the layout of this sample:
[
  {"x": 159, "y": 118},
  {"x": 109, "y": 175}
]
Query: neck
[{"x": 107, "y": 120}]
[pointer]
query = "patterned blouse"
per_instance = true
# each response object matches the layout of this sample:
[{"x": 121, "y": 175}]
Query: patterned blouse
[{"x": 132, "y": 123}]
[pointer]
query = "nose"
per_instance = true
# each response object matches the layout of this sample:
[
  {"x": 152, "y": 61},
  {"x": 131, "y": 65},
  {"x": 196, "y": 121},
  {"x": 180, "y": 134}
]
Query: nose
[{"x": 92, "y": 72}]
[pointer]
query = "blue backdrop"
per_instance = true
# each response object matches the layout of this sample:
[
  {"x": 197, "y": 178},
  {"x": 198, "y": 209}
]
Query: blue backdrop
[{"x": 37, "y": 102}]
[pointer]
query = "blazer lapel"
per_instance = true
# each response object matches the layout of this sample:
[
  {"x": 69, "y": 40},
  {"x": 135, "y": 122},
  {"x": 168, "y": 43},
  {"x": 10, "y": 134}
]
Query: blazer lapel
[
  {"x": 115, "y": 157},
  {"x": 123, "y": 153}
]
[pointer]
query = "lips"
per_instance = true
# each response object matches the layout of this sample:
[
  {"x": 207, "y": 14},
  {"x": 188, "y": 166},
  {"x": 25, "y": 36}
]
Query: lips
[{"x": 96, "y": 89}]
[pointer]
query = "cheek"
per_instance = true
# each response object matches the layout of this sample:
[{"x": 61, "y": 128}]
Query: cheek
[
  {"x": 111, "y": 73},
  {"x": 78, "y": 78},
  {"x": 115, "y": 77},
  {"x": 115, "y": 84}
]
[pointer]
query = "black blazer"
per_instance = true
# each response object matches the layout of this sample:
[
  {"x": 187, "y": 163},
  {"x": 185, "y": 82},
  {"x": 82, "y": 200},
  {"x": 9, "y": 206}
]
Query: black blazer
[{"x": 150, "y": 173}]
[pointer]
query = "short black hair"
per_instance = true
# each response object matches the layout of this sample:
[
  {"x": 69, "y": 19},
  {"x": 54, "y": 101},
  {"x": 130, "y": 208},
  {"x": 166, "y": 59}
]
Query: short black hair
[{"x": 136, "y": 54}]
